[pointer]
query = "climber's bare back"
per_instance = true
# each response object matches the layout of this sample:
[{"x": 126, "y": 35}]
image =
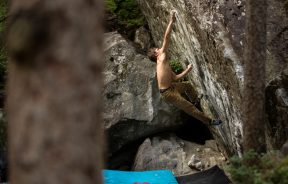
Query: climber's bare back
[{"x": 164, "y": 72}]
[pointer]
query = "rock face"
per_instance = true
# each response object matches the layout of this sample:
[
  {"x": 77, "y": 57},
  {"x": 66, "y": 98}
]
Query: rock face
[
  {"x": 277, "y": 110},
  {"x": 209, "y": 35},
  {"x": 133, "y": 109},
  {"x": 182, "y": 157},
  {"x": 143, "y": 38}
]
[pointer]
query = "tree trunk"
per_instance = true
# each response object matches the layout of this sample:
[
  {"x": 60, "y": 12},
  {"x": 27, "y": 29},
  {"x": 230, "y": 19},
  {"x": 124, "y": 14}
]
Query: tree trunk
[
  {"x": 54, "y": 92},
  {"x": 254, "y": 84}
]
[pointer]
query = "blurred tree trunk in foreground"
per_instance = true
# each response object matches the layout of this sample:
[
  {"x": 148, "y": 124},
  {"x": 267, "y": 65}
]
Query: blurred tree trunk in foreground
[
  {"x": 254, "y": 84},
  {"x": 54, "y": 92}
]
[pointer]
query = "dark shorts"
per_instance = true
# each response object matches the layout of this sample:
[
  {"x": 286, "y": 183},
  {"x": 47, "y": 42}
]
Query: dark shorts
[{"x": 164, "y": 90}]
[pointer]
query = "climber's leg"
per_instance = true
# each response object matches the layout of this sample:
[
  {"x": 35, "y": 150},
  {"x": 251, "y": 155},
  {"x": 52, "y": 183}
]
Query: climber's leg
[
  {"x": 173, "y": 96},
  {"x": 186, "y": 88}
]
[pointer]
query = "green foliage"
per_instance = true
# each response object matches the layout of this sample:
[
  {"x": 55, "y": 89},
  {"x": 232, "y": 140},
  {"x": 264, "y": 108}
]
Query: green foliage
[
  {"x": 259, "y": 169},
  {"x": 3, "y": 53},
  {"x": 176, "y": 66},
  {"x": 130, "y": 13},
  {"x": 110, "y": 5},
  {"x": 127, "y": 12},
  {"x": 3, "y": 13}
]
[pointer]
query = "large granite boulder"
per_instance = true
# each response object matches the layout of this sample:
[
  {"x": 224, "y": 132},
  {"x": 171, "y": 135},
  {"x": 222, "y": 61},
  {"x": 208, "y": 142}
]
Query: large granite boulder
[
  {"x": 209, "y": 34},
  {"x": 180, "y": 156},
  {"x": 133, "y": 109}
]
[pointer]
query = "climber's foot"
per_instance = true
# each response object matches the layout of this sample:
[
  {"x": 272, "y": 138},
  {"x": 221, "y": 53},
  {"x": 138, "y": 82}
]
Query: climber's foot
[{"x": 215, "y": 122}]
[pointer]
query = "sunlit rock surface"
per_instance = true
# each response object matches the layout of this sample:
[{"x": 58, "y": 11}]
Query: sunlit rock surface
[
  {"x": 209, "y": 34},
  {"x": 143, "y": 38}
]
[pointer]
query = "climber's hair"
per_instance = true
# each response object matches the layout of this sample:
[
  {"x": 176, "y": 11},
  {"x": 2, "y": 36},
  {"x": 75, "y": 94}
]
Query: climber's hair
[{"x": 151, "y": 53}]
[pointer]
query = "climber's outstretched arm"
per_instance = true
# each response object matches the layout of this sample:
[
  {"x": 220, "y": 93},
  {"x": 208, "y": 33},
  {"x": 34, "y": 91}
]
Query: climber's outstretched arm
[
  {"x": 184, "y": 73},
  {"x": 168, "y": 31}
]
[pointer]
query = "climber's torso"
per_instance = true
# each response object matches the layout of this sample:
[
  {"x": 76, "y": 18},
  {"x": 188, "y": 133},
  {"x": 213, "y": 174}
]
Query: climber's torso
[{"x": 164, "y": 72}]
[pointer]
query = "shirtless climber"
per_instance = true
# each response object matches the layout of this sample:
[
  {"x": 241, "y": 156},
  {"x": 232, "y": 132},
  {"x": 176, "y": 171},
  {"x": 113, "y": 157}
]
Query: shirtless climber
[{"x": 171, "y": 91}]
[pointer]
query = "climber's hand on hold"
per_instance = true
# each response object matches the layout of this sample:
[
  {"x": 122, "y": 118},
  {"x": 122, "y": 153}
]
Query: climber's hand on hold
[
  {"x": 189, "y": 67},
  {"x": 173, "y": 16},
  {"x": 168, "y": 31},
  {"x": 182, "y": 74}
]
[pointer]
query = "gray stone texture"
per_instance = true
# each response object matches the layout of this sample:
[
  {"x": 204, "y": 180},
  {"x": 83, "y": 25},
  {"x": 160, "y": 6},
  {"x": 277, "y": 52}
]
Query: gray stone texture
[
  {"x": 143, "y": 38},
  {"x": 209, "y": 34},
  {"x": 179, "y": 156},
  {"x": 133, "y": 108}
]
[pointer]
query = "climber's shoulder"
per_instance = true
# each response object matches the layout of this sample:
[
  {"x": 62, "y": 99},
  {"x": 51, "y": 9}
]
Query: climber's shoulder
[
  {"x": 161, "y": 55},
  {"x": 162, "y": 50}
]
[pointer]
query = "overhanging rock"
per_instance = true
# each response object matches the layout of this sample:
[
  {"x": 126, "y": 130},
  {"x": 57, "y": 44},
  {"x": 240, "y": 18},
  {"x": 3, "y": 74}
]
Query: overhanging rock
[{"x": 210, "y": 36}]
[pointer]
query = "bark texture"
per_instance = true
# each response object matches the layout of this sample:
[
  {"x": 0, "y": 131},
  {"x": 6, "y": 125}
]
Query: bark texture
[
  {"x": 54, "y": 92},
  {"x": 254, "y": 77}
]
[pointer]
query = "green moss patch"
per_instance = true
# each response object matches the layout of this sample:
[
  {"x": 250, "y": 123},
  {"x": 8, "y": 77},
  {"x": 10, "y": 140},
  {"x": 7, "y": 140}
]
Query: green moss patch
[{"x": 176, "y": 66}]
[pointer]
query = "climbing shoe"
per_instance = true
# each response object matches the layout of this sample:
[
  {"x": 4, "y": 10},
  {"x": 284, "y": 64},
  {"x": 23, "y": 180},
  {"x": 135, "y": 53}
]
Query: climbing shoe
[{"x": 215, "y": 122}]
